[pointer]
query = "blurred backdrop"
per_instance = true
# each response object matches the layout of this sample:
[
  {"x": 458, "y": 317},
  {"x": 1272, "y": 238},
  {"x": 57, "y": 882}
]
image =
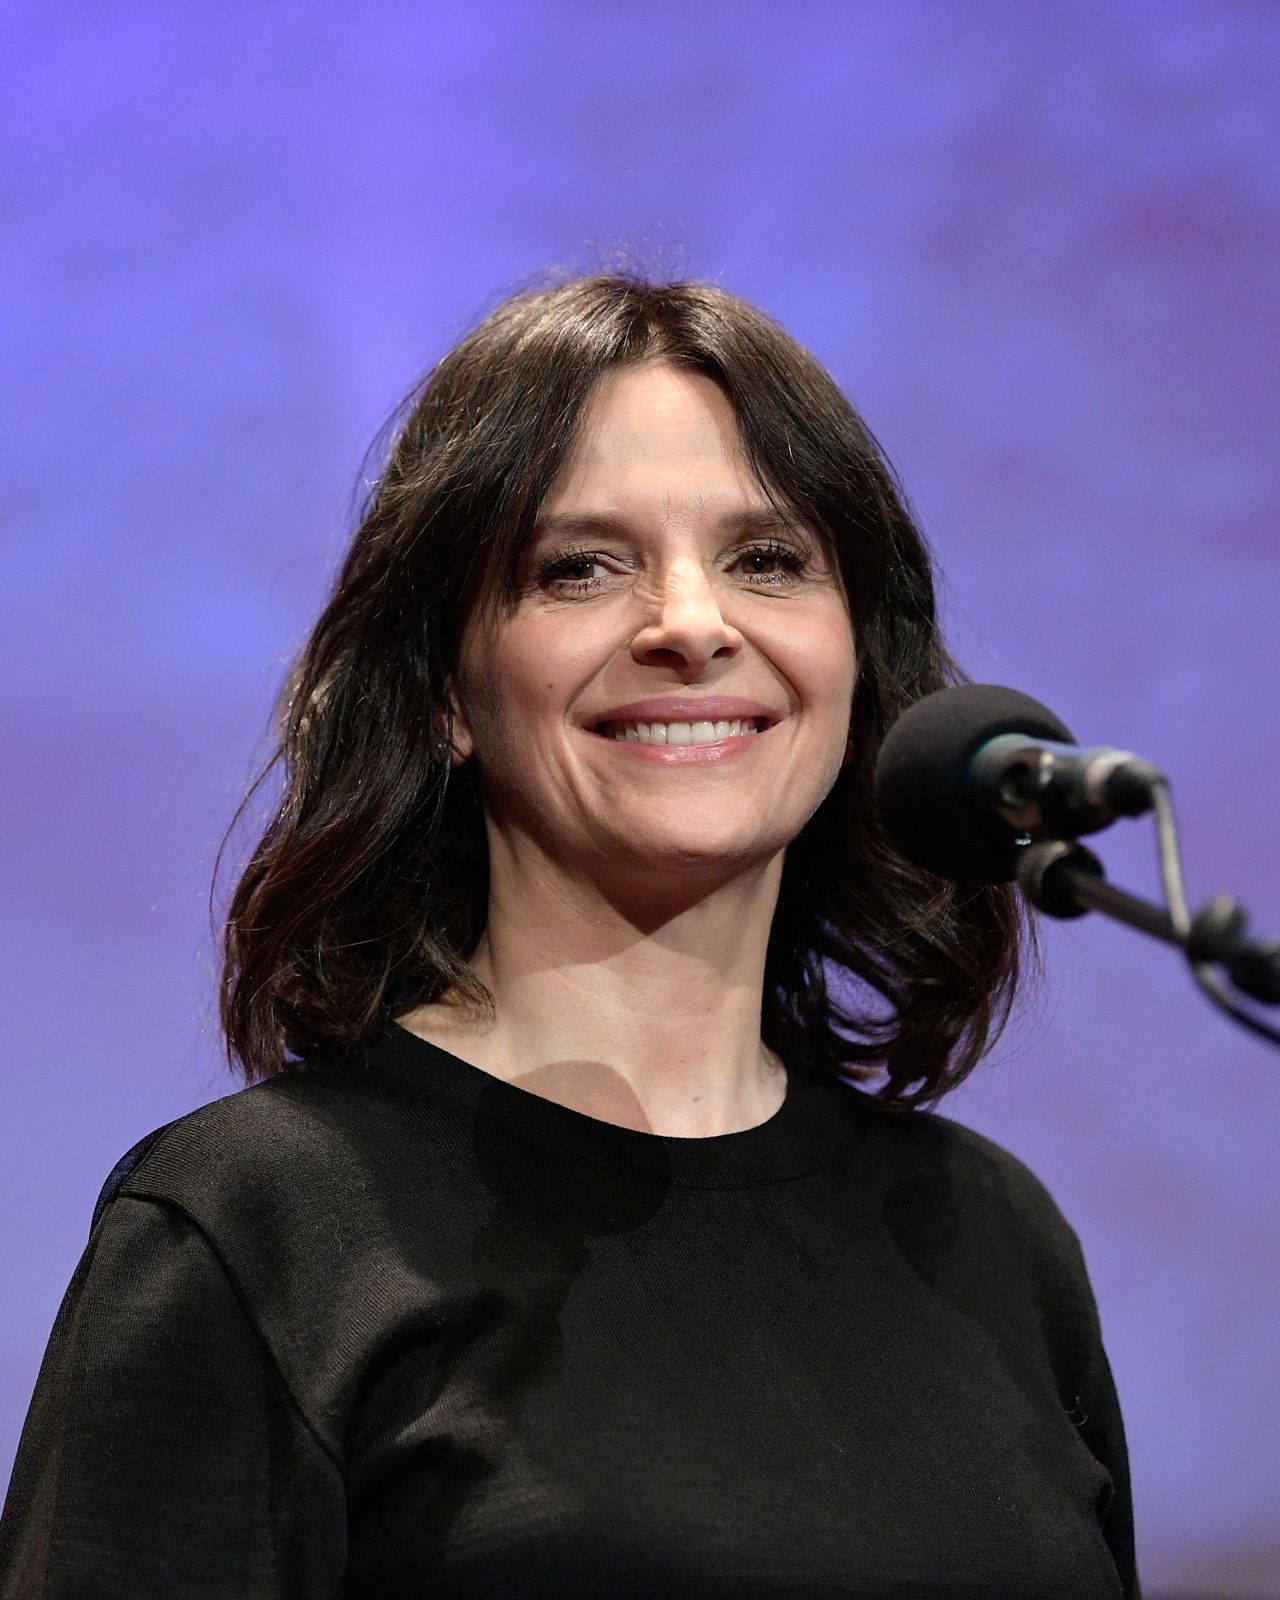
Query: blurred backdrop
[{"x": 1039, "y": 246}]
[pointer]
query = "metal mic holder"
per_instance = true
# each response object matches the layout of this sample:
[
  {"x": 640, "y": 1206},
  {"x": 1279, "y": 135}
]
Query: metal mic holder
[{"x": 1064, "y": 879}]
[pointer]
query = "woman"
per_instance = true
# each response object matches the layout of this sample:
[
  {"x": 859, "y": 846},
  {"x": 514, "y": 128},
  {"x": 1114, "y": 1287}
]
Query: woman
[{"x": 581, "y": 1232}]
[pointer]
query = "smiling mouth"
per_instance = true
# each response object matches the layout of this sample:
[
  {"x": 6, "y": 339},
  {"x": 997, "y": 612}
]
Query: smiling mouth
[{"x": 681, "y": 733}]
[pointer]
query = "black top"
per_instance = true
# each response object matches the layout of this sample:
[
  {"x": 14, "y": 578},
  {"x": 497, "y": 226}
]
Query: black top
[{"x": 390, "y": 1327}]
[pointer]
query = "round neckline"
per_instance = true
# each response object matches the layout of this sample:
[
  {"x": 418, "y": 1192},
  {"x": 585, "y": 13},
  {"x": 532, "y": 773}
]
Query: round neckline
[{"x": 799, "y": 1137}]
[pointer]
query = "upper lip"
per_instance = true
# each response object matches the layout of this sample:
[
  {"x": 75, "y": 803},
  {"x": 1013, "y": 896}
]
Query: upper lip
[{"x": 687, "y": 708}]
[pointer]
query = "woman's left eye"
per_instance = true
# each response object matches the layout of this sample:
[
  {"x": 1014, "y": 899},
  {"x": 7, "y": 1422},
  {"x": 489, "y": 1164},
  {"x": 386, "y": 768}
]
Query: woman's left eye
[{"x": 785, "y": 561}]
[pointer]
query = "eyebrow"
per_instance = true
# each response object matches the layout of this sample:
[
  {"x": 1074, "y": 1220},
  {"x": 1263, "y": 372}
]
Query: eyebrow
[{"x": 585, "y": 523}]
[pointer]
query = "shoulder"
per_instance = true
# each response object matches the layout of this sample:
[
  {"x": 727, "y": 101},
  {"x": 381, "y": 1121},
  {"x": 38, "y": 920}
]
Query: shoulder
[
  {"x": 937, "y": 1177},
  {"x": 254, "y": 1131},
  {"x": 978, "y": 1228},
  {"x": 973, "y": 1162},
  {"x": 302, "y": 1190},
  {"x": 310, "y": 1149}
]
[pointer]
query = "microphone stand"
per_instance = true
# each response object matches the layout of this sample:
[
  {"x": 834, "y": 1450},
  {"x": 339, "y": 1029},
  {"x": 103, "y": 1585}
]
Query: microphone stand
[{"x": 1062, "y": 878}]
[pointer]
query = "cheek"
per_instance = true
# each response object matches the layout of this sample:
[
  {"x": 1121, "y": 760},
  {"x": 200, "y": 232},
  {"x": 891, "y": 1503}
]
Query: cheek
[
  {"x": 825, "y": 677},
  {"x": 510, "y": 689},
  {"x": 820, "y": 661}
]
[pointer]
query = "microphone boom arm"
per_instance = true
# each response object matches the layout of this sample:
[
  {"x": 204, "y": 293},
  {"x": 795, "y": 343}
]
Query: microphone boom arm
[{"x": 1062, "y": 878}]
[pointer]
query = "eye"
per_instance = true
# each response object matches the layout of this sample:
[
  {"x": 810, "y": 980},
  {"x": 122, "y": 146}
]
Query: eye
[
  {"x": 772, "y": 563},
  {"x": 568, "y": 572}
]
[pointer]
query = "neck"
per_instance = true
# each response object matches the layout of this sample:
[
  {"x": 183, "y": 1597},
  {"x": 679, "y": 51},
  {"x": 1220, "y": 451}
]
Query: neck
[{"x": 632, "y": 1006}]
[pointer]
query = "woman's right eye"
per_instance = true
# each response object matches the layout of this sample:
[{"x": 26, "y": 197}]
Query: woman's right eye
[{"x": 569, "y": 572}]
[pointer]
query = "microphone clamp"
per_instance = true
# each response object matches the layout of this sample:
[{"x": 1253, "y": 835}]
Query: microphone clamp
[{"x": 1043, "y": 788}]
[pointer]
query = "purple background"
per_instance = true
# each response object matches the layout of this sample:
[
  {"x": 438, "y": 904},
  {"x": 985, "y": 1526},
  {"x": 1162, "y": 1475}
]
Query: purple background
[{"x": 1040, "y": 247}]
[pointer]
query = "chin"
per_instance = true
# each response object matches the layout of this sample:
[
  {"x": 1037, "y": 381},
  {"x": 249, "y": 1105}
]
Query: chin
[{"x": 691, "y": 855}]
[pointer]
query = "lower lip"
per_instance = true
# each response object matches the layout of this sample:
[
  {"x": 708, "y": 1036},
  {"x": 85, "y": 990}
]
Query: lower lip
[{"x": 681, "y": 755}]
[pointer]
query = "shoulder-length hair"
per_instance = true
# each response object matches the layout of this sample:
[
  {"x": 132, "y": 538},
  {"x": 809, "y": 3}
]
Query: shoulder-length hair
[{"x": 368, "y": 891}]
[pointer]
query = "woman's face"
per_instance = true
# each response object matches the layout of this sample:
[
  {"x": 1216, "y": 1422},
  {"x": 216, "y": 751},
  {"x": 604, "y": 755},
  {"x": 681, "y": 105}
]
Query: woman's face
[{"x": 662, "y": 598}]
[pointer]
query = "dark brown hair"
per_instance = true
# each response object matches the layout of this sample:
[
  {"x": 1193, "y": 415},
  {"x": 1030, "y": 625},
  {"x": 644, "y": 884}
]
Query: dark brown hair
[{"x": 369, "y": 888}]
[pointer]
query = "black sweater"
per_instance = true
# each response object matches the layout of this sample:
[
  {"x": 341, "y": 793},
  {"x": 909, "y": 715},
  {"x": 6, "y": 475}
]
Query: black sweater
[{"x": 390, "y": 1327}]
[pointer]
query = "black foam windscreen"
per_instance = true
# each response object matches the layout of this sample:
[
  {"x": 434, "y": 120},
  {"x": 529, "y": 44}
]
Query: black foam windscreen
[{"x": 921, "y": 791}]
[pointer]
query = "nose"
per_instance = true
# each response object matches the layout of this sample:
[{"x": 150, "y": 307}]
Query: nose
[{"x": 687, "y": 629}]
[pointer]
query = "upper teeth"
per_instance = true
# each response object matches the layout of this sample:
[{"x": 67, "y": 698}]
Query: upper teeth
[{"x": 679, "y": 732}]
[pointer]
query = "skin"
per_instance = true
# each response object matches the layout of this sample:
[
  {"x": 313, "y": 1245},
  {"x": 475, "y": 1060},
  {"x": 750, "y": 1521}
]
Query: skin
[{"x": 630, "y": 903}]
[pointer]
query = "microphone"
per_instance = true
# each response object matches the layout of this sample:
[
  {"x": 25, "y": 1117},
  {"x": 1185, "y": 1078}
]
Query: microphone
[{"x": 969, "y": 775}]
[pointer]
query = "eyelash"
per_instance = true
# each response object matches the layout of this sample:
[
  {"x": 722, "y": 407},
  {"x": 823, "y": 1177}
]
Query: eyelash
[{"x": 550, "y": 569}]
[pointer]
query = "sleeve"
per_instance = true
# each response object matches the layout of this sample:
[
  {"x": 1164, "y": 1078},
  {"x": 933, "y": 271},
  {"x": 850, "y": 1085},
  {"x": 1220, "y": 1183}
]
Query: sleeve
[
  {"x": 1102, "y": 1431},
  {"x": 1067, "y": 1312},
  {"x": 163, "y": 1454},
  {"x": 1074, "y": 1335}
]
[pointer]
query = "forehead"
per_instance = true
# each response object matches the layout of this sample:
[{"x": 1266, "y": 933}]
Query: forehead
[{"x": 654, "y": 429}]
